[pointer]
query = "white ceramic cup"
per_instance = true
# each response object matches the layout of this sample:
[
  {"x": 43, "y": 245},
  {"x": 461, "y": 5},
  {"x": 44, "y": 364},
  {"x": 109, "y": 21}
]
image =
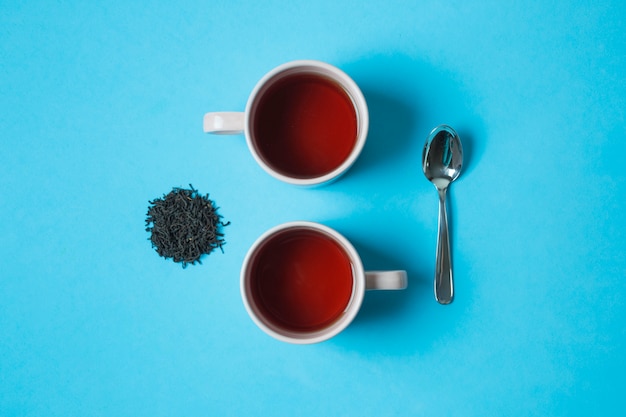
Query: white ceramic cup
[
  {"x": 279, "y": 266},
  {"x": 229, "y": 123}
]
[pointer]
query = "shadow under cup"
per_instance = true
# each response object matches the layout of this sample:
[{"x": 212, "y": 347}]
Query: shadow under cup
[
  {"x": 299, "y": 283},
  {"x": 306, "y": 121}
]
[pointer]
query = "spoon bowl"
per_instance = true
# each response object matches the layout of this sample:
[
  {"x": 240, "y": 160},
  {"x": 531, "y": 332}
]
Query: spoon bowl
[
  {"x": 442, "y": 157},
  {"x": 442, "y": 160}
]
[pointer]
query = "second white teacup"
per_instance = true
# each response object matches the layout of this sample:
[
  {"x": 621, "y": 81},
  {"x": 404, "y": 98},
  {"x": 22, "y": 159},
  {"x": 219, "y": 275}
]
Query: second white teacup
[{"x": 303, "y": 282}]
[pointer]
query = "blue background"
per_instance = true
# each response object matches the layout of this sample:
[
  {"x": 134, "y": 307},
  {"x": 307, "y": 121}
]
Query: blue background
[{"x": 101, "y": 107}]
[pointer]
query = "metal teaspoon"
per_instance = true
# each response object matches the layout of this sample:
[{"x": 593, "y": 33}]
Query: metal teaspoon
[{"x": 442, "y": 159}]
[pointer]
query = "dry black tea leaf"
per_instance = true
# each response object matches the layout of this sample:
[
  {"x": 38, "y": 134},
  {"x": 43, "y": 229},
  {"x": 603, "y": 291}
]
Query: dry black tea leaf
[{"x": 184, "y": 225}]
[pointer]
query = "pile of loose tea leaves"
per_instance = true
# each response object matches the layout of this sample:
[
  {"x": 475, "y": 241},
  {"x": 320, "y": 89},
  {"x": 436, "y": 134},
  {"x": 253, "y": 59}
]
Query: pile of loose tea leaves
[{"x": 184, "y": 225}]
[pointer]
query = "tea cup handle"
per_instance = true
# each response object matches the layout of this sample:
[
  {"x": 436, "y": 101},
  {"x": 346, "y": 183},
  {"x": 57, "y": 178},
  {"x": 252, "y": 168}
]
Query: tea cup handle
[
  {"x": 385, "y": 280},
  {"x": 224, "y": 123}
]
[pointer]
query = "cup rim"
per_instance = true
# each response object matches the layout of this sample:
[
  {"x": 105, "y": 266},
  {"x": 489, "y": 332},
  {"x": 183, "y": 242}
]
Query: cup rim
[
  {"x": 359, "y": 103},
  {"x": 353, "y": 307}
]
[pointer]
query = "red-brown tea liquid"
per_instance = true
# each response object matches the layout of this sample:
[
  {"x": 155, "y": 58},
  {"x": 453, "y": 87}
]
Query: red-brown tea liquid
[
  {"x": 301, "y": 280},
  {"x": 305, "y": 126}
]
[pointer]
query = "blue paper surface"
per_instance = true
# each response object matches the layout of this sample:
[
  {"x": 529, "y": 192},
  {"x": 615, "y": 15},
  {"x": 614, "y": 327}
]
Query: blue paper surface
[{"x": 101, "y": 111}]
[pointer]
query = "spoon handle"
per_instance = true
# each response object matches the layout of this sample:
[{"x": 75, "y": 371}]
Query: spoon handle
[{"x": 444, "y": 287}]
